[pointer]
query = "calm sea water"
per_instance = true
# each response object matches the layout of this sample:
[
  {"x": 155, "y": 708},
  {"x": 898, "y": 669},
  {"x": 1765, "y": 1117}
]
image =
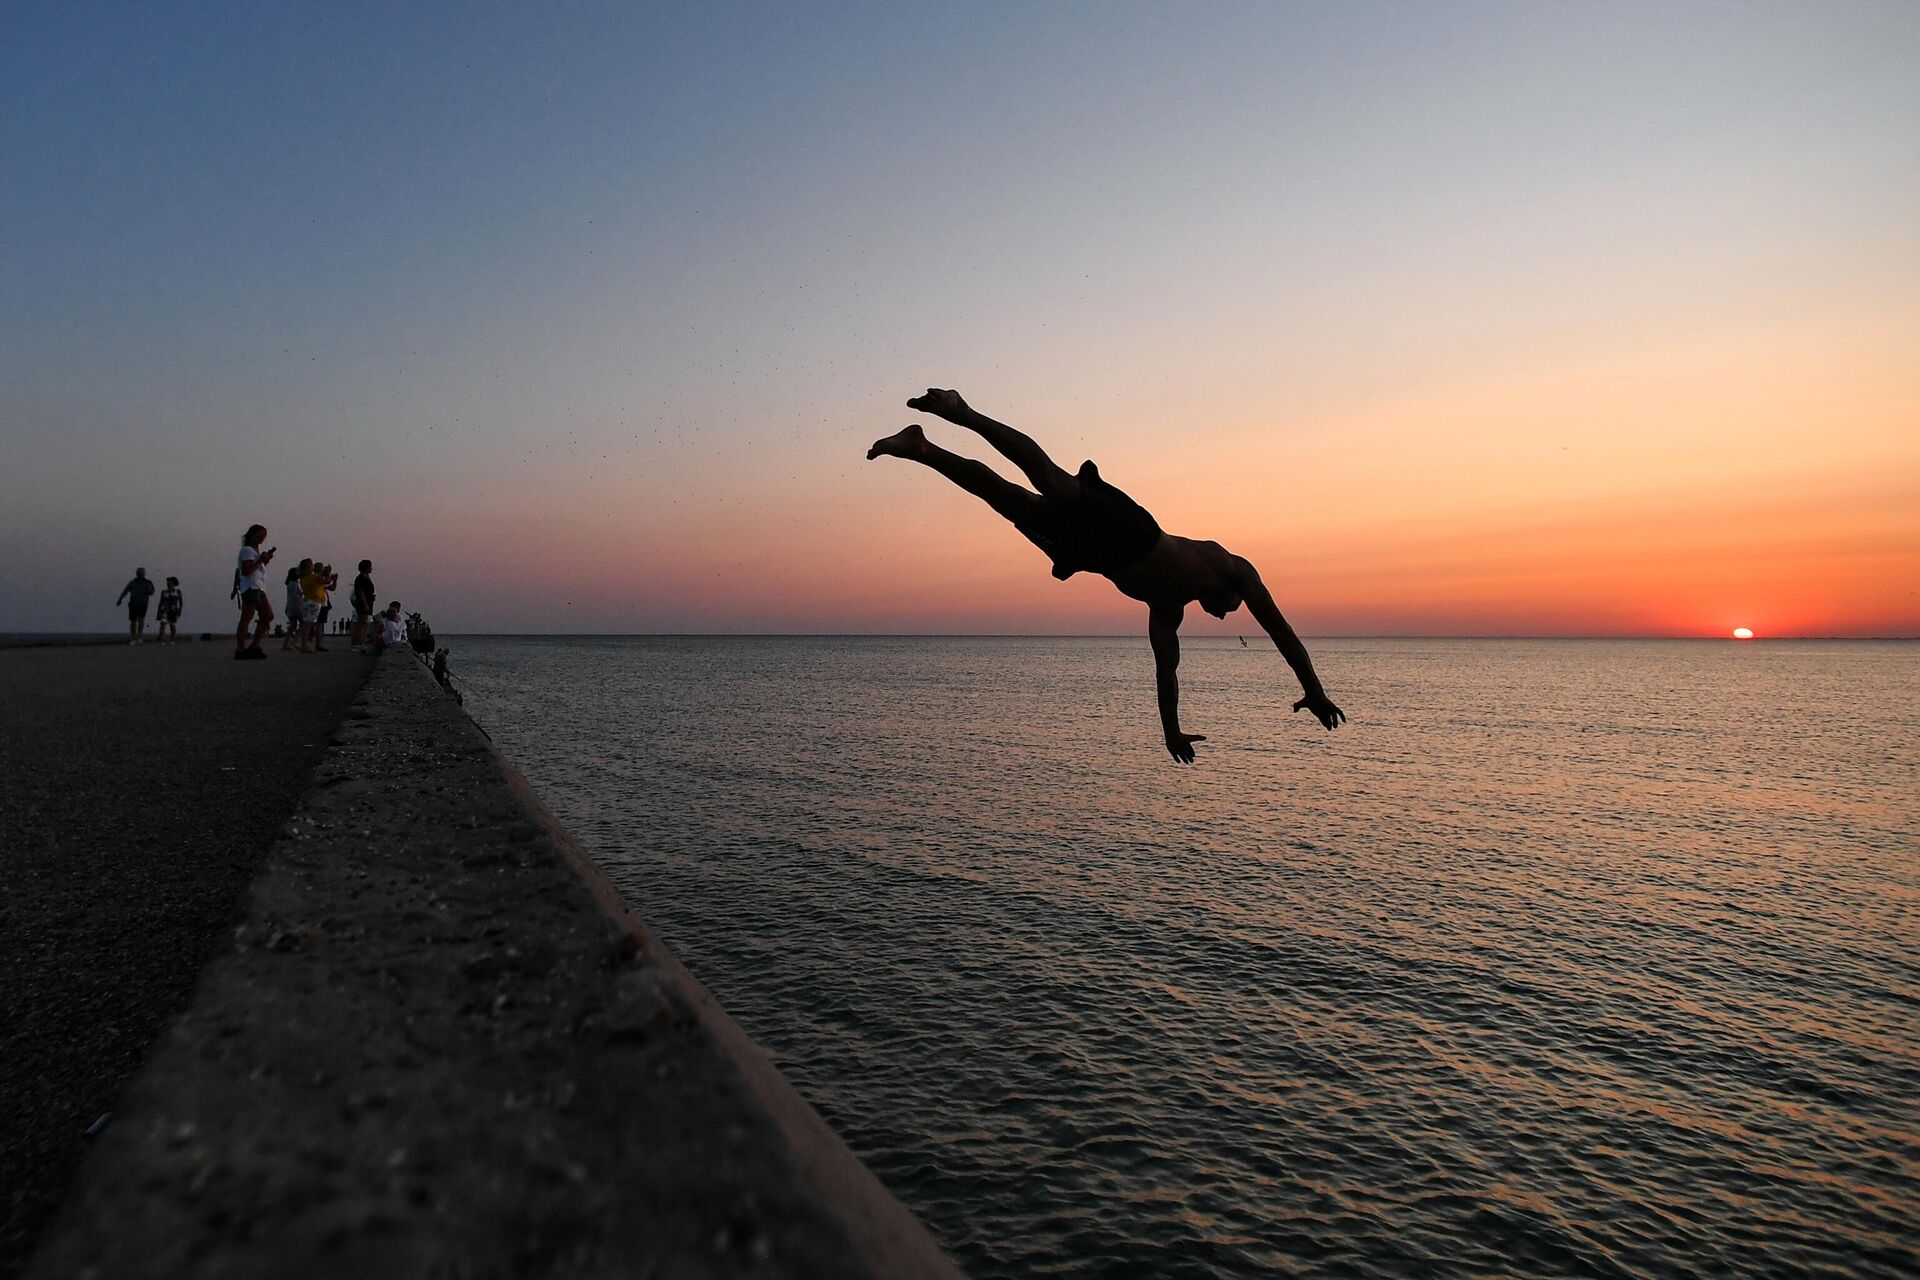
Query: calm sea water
[{"x": 1564, "y": 958}]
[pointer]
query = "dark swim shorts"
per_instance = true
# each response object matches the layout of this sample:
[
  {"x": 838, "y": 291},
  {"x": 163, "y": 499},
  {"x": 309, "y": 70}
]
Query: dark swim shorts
[
  {"x": 1101, "y": 531},
  {"x": 254, "y": 597},
  {"x": 136, "y": 611}
]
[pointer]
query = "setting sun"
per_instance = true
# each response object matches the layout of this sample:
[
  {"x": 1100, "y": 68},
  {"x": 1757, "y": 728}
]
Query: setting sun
[{"x": 1743, "y": 633}]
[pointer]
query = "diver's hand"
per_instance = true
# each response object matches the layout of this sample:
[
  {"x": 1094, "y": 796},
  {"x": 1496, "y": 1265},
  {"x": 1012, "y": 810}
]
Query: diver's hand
[
  {"x": 1323, "y": 710},
  {"x": 941, "y": 404},
  {"x": 1180, "y": 745}
]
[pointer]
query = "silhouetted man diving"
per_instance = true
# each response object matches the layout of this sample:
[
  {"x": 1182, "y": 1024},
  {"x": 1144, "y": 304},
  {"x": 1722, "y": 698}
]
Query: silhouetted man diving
[{"x": 1085, "y": 524}]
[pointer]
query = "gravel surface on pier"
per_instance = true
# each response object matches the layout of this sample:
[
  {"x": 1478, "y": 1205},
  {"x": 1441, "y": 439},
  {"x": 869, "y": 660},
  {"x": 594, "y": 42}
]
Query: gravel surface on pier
[
  {"x": 440, "y": 1046},
  {"x": 139, "y": 787}
]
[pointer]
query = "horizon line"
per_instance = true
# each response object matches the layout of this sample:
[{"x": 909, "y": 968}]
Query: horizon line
[
  {"x": 1054, "y": 635},
  {"x": 1125, "y": 635}
]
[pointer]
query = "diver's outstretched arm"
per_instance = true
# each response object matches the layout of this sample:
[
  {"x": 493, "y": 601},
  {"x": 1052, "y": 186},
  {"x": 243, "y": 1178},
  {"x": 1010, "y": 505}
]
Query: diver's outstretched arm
[
  {"x": 1163, "y": 630},
  {"x": 1260, "y": 604}
]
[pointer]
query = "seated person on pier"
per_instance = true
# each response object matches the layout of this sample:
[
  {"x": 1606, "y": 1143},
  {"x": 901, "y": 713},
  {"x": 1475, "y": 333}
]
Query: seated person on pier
[{"x": 392, "y": 632}]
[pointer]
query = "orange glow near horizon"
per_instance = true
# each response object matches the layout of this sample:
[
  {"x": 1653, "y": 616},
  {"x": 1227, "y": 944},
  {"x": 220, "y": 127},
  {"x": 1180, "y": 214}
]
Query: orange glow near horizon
[{"x": 1765, "y": 479}]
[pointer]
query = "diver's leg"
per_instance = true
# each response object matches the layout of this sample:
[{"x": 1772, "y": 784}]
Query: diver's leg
[
  {"x": 977, "y": 478},
  {"x": 1017, "y": 447}
]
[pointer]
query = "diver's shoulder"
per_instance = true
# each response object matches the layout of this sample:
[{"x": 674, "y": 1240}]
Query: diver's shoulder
[
  {"x": 1177, "y": 543},
  {"x": 1198, "y": 548}
]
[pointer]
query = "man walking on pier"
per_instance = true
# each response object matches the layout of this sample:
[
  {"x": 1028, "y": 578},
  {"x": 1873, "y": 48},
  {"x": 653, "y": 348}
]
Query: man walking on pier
[
  {"x": 250, "y": 583},
  {"x": 136, "y": 593},
  {"x": 1085, "y": 524}
]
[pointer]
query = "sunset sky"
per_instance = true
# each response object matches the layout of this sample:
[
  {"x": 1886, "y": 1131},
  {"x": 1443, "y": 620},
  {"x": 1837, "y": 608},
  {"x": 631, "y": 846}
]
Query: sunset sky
[{"x": 1455, "y": 319}]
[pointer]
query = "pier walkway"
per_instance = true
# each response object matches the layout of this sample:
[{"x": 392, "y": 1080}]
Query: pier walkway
[
  {"x": 437, "y": 1044},
  {"x": 140, "y": 786}
]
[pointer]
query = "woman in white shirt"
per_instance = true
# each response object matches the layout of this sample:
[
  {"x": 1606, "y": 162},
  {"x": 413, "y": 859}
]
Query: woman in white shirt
[{"x": 250, "y": 585}]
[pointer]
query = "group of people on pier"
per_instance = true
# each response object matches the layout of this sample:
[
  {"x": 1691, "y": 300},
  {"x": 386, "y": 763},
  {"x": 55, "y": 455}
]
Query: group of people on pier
[
  {"x": 137, "y": 594},
  {"x": 309, "y": 603},
  {"x": 310, "y": 586}
]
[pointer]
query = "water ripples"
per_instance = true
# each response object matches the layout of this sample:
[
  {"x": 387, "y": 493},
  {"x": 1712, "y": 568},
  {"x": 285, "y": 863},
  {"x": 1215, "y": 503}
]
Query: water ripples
[{"x": 1589, "y": 959}]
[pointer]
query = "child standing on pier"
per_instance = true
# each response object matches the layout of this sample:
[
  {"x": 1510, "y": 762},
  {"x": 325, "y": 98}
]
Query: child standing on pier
[{"x": 171, "y": 604}]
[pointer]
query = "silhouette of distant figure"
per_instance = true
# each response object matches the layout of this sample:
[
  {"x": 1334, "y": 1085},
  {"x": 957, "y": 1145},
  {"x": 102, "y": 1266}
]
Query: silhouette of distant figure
[
  {"x": 363, "y": 598},
  {"x": 136, "y": 593},
  {"x": 296, "y": 602},
  {"x": 250, "y": 587},
  {"x": 172, "y": 602},
  {"x": 1085, "y": 524}
]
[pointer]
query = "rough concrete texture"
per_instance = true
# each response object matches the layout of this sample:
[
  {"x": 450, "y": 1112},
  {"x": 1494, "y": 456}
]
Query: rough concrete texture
[
  {"x": 139, "y": 789},
  {"x": 440, "y": 1048}
]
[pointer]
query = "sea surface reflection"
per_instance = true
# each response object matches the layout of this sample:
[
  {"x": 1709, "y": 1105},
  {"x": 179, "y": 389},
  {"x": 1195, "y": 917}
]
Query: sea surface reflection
[{"x": 1564, "y": 958}]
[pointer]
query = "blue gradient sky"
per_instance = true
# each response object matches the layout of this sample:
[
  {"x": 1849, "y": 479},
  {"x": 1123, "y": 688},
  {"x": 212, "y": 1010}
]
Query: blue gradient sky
[{"x": 580, "y": 318}]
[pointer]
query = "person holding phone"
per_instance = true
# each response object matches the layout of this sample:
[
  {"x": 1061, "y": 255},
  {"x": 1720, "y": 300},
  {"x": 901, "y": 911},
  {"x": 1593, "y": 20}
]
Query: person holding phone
[{"x": 250, "y": 584}]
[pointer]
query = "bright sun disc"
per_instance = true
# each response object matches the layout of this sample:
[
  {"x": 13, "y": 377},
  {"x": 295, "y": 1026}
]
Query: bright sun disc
[{"x": 1742, "y": 633}]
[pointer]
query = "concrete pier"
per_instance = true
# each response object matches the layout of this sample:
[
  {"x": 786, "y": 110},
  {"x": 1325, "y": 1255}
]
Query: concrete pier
[
  {"x": 140, "y": 787},
  {"x": 440, "y": 1045}
]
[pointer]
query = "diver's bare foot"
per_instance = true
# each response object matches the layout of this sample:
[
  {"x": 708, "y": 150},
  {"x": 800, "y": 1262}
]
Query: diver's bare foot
[
  {"x": 941, "y": 404},
  {"x": 907, "y": 442}
]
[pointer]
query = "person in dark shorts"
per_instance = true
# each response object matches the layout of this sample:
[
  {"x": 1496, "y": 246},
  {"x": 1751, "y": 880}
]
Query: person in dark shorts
[
  {"x": 136, "y": 593},
  {"x": 1086, "y": 525},
  {"x": 250, "y": 585},
  {"x": 172, "y": 603},
  {"x": 363, "y": 598}
]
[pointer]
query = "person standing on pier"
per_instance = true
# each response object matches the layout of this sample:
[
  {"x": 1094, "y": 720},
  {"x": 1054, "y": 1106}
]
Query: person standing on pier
[
  {"x": 313, "y": 594},
  {"x": 172, "y": 602},
  {"x": 136, "y": 593},
  {"x": 250, "y": 582},
  {"x": 296, "y": 603},
  {"x": 331, "y": 581},
  {"x": 363, "y": 598}
]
